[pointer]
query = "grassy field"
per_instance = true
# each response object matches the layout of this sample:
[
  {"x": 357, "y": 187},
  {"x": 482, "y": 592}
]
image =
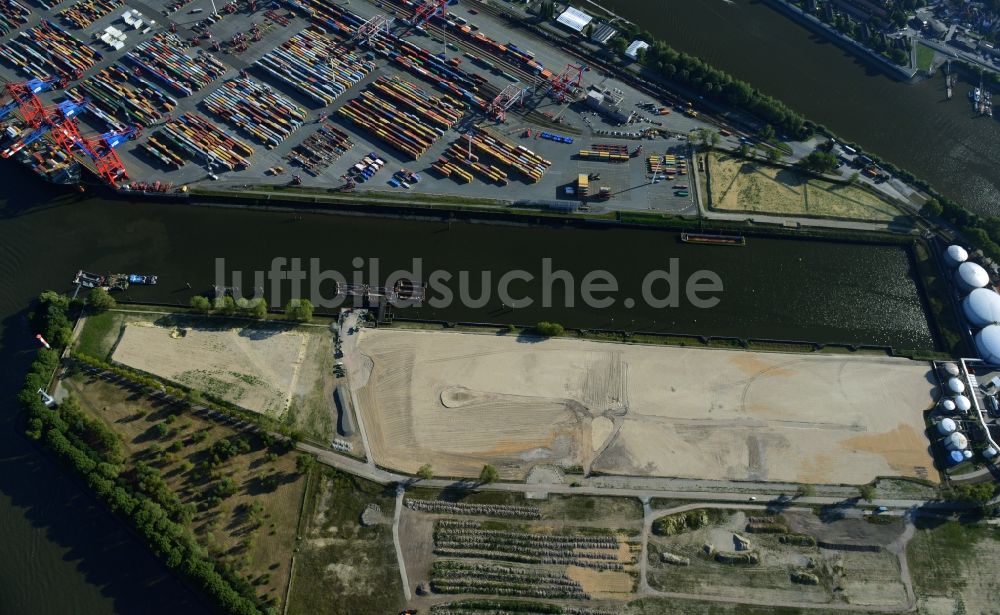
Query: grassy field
[
  {"x": 554, "y": 508},
  {"x": 751, "y": 186},
  {"x": 954, "y": 568},
  {"x": 342, "y": 567},
  {"x": 925, "y": 57},
  {"x": 99, "y": 333},
  {"x": 243, "y": 508}
]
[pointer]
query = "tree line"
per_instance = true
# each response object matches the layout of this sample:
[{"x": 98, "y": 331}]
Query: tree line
[{"x": 97, "y": 454}]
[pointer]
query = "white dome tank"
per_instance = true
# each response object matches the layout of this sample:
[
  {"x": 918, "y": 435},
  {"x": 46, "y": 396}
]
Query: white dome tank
[
  {"x": 955, "y": 386},
  {"x": 989, "y": 452},
  {"x": 949, "y": 369},
  {"x": 971, "y": 276},
  {"x": 956, "y": 442},
  {"x": 947, "y": 405},
  {"x": 988, "y": 344},
  {"x": 967, "y": 454},
  {"x": 982, "y": 308},
  {"x": 946, "y": 426},
  {"x": 955, "y": 256},
  {"x": 962, "y": 403}
]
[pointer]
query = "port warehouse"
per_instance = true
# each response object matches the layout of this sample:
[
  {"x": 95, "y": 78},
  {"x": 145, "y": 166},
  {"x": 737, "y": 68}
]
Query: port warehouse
[{"x": 275, "y": 93}]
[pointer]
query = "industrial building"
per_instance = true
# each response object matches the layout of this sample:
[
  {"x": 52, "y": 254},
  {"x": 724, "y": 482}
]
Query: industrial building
[
  {"x": 633, "y": 49},
  {"x": 609, "y": 102},
  {"x": 574, "y": 19}
]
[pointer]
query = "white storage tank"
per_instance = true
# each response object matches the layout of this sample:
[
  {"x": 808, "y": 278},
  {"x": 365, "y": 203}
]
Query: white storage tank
[
  {"x": 949, "y": 369},
  {"x": 971, "y": 276},
  {"x": 982, "y": 308},
  {"x": 988, "y": 344},
  {"x": 989, "y": 452},
  {"x": 956, "y": 386},
  {"x": 947, "y": 406},
  {"x": 962, "y": 403},
  {"x": 956, "y": 442},
  {"x": 946, "y": 426},
  {"x": 955, "y": 256}
]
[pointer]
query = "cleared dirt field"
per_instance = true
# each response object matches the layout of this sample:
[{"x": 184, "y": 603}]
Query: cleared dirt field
[
  {"x": 742, "y": 185},
  {"x": 277, "y": 370},
  {"x": 457, "y": 401}
]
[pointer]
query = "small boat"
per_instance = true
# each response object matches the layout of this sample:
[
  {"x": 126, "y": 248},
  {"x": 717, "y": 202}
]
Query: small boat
[
  {"x": 135, "y": 278},
  {"x": 88, "y": 280}
]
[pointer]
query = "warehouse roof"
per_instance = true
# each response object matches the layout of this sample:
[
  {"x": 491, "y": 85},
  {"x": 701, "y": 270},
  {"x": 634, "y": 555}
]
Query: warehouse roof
[
  {"x": 574, "y": 19},
  {"x": 635, "y": 47}
]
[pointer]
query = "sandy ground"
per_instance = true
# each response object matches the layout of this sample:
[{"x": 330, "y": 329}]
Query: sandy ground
[
  {"x": 259, "y": 369},
  {"x": 460, "y": 400},
  {"x": 739, "y": 185}
]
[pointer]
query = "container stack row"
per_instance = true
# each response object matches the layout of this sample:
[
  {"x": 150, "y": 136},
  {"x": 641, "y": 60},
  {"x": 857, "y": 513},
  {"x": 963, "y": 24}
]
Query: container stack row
[
  {"x": 316, "y": 66},
  {"x": 165, "y": 58},
  {"x": 256, "y": 109}
]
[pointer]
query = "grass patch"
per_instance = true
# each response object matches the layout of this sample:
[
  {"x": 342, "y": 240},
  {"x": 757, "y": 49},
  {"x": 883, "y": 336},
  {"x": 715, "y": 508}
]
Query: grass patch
[
  {"x": 99, "y": 333},
  {"x": 925, "y": 57},
  {"x": 753, "y": 186},
  {"x": 342, "y": 566}
]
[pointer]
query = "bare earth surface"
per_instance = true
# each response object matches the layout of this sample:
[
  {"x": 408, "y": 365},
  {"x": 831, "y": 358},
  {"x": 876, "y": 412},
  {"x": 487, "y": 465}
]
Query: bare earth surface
[
  {"x": 259, "y": 369},
  {"x": 457, "y": 401}
]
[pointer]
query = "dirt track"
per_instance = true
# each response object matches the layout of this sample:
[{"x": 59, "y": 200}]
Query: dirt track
[{"x": 460, "y": 400}]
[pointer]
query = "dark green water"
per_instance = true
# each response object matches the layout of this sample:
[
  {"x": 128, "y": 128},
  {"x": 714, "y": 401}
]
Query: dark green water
[
  {"x": 914, "y": 126},
  {"x": 63, "y": 554}
]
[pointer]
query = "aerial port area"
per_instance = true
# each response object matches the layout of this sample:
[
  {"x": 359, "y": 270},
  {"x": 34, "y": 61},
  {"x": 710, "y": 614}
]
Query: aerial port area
[{"x": 437, "y": 99}]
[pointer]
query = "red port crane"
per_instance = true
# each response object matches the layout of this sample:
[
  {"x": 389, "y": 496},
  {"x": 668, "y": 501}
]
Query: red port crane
[
  {"x": 427, "y": 10},
  {"x": 570, "y": 78}
]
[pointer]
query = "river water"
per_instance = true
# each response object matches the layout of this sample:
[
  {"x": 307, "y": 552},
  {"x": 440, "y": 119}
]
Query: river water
[
  {"x": 64, "y": 554},
  {"x": 913, "y": 126}
]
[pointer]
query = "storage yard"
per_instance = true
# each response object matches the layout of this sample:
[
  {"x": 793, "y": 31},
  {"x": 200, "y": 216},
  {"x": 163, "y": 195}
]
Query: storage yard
[
  {"x": 460, "y": 400},
  {"x": 297, "y": 93}
]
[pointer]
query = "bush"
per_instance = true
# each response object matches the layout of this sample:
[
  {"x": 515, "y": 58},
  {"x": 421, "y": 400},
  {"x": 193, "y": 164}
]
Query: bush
[
  {"x": 549, "y": 329},
  {"x": 489, "y": 474},
  {"x": 202, "y": 304},
  {"x": 101, "y": 300}
]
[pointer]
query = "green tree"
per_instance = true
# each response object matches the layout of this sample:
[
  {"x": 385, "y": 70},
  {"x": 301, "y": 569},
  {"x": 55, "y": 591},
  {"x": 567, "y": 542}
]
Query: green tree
[
  {"x": 932, "y": 208},
  {"x": 303, "y": 462},
  {"x": 549, "y": 329},
  {"x": 489, "y": 474},
  {"x": 259, "y": 308},
  {"x": 299, "y": 309},
  {"x": 201, "y": 303},
  {"x": 805, "y": 491},
  {"x": 101, "y": 300},
  {"x": 425, "y": 472},
  {"x": 978, "y": 493},
  {"x": 745, "y": 150},
  {"x": 774, "y": 154},
  {"x": 820, "y": 162},
  {"x": 225, "y": 305},
  {"x": 767, "y": 132},
  {"x": 866, "y": 492}
]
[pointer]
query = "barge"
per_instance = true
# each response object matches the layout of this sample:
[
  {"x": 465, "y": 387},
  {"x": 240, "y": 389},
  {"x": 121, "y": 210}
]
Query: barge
[{"x": 714, "y": 239}]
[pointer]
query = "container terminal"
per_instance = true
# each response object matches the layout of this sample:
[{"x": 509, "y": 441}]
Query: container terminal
[{"x": 398, "y": 96}]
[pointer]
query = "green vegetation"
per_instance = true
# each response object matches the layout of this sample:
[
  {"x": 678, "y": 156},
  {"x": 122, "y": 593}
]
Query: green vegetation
[
  {"x": 100, "y": 299},
  {"x": 819, "y": 162},
  {"x": 925, "y": 57},
  {"x": 549, "y": 329},
  {"x": 978, "y": 493},
  {"x": 299, "y": 309},
  {"x": 489, "y": 474},
  {"x": 425, "y": 472},
  {"x": 99, "y": 334},
  {"x": 866, "y": 492},
  {"x": 805, "y": 491},
  {"x": 341, "y": 565},
  {"x": 936, "y": 290},
  {"x": 688, "y": 521},
  {"x": 941, "y": 556},
  {"x": 96, "y": 453}
]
